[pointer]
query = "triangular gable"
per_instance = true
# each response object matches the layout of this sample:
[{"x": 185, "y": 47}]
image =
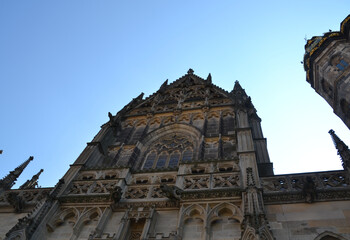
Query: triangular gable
[{"x": 189, "y": 87}]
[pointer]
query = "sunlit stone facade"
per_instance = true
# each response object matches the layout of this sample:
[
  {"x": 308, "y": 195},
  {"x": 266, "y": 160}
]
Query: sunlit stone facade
[{"x": 188, "y": 162}]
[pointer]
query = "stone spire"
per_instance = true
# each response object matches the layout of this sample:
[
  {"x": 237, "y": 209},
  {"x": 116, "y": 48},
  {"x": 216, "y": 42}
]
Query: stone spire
[
  {"x": 32, "y": 183},
  {"x": 240, "y": 97},
  {"x": 255, "y": 224},
  {"x": 343, "y": 150},
  {"x": 238, "y": 90},
  {"x": 7, "y": 182}
]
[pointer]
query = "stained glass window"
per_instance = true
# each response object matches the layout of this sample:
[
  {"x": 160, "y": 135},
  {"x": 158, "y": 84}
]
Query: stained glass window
[
  {"x": 187, "y": 155},
  {"x": 168, "y": 151},
  {"x": 174, "y": 159},
  {"x": 162, "y": 160},
  {"x": 150, "y": 160}
]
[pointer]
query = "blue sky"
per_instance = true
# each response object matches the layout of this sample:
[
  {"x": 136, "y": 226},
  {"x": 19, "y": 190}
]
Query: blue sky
[{"x": 65, "y": 64}]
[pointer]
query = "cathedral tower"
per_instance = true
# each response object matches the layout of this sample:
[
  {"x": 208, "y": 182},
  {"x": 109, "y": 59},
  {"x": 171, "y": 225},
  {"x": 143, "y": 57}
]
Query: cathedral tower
[{"x": 183, "y": 163}]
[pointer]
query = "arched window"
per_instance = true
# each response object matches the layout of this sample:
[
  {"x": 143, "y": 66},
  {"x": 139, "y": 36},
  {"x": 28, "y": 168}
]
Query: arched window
[
  {"x": 162, "y": 160},
  {"x": 150, "y": 160},
  {"x": 329, "y": 236},
  {"x": 187, "y": 155},
  {"x": 168, "y": 151},
  {"x": 174, "y": 159}
]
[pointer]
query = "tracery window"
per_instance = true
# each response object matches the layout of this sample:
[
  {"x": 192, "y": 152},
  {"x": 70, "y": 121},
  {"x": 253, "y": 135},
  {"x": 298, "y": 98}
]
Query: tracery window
[
  {"x": 174, "y": 159},
  {"x": 187, "y": 155},
  {"x": 162, "y": 160},
  {"x": 168, "y": 151},
  {"x": 150, "y": 160}
]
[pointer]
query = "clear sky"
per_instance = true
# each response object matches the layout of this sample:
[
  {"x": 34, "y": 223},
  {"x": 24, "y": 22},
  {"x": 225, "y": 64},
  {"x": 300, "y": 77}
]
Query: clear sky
[{"x": 65, "y": 64}]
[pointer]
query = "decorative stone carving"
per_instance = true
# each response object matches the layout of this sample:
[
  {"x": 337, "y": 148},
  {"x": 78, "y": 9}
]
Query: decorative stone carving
[
  {"x": 136, "y": 193},
  {"x": 196, "y": 182},
  {"x": 171, "y": 192},
  {"x": 93, "y": 187},
  {"x": 116, "y": 194},
  {"x": 231, "y": 180},
  {"x": 16, "y": 201},
  {"x": 307, "y": 187}
]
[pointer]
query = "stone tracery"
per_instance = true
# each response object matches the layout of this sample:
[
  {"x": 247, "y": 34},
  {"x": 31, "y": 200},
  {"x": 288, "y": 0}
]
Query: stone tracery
[{"x": 168, "y": 151}]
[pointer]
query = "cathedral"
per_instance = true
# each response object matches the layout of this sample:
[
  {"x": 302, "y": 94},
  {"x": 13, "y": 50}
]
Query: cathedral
[{"x": 188, "y": 162}]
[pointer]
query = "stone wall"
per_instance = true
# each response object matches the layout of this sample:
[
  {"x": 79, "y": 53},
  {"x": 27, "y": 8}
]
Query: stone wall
[
  {"x": 7, "y": 221},
  {"x": 305, "y": 221}
]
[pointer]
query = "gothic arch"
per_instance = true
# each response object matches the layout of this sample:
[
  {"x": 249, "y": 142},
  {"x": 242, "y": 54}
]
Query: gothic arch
[
  {"x": 224, "y": 214},
  {"x": 70, "y": 213},
  {"x": 216, "y": 212},
  {"x": 62, "y": 223},
  {"x": 327, "y": 235},
  {"x": 193, "y": 132},
  {"x": 187, "y": 137},
  {"x": 249, "y": 234},
  {"x": 87, "y": 216},
  {"x": 265, "y": 233},
  {"x": 193, "y": 211}
]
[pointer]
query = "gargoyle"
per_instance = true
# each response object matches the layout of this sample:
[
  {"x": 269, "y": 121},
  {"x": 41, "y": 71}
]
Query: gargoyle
[
  {"x": 171, "y": 192},
  {"x": 116, "y": 194},
  {"x": 309, "y": 190}
]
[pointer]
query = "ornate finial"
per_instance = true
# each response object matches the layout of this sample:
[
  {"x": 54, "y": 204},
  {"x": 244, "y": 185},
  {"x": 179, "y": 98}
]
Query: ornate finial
[
  {"x": 238, "y": 90},
  {"x": 190, "y": 71},
  {"x": 237, "y": 86},
  {"x": 139, "y": 97},
  {"x": 7, "y": 182},
  {"x": 343, "y": 150},
  {"x": 209, "y": 78},
  {"x": 163, "y": 86},
  {"x": 32, "y": 183},
  {"x": 110, "y": 116}
]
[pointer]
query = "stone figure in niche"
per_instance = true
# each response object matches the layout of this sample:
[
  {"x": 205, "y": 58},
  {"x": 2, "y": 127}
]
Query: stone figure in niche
[
  {"x": 171, "y": 192},
  {"x": 309, "y": 190},
  {"x": 116, "y": 194}
]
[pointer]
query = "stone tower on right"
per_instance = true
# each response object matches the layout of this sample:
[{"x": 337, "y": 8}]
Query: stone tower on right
[{"x": 327, "y": 66}]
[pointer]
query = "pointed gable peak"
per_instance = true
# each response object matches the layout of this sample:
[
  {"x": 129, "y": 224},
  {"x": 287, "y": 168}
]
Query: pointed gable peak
[
  {"x": 188, "y": 79},
  {"x": 238, "y": 91},
  {"x": 237, "y": 86}
]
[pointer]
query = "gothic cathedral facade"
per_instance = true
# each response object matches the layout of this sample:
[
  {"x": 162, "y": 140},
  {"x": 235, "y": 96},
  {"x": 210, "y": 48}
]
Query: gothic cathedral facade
[{"x": 188, "y": 162}]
